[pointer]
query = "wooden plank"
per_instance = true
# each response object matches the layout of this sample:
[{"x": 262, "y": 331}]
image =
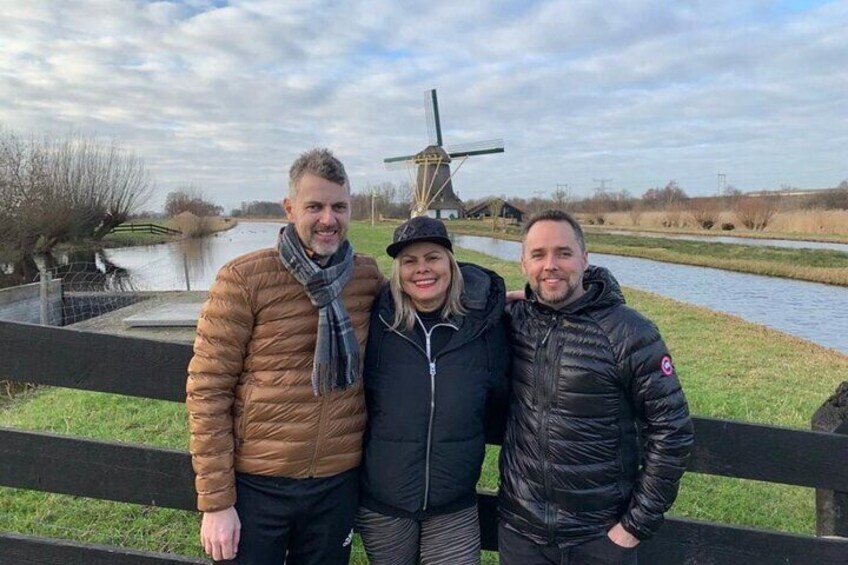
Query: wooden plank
[
  {"x": 681, "y": 541},
  {"x": 769, "y": 453},
  {"x": 94, "y": 469},
  {"x": 26, "y": 550},
  {"x": 93, "y": 361}
]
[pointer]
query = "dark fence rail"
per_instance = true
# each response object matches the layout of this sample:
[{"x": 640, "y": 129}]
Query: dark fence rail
[
  {"x": 145, "y": 228},
  {"x": 162, "y": 477}
]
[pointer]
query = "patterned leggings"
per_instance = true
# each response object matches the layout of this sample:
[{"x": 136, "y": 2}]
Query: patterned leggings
[{"x": 438, "y": 540}]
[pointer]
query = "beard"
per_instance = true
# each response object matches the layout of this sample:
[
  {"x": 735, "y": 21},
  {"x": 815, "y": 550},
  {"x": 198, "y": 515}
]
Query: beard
[{"x": 555, "y": 298}]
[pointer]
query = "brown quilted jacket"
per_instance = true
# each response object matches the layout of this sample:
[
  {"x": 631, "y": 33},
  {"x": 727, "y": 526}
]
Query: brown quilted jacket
[{"x": 249, "y": 389}]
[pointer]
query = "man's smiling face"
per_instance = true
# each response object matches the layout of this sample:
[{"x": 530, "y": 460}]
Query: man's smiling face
[
  {"x": 320, "y": 212},
  {"x": 553, "y": 262}
]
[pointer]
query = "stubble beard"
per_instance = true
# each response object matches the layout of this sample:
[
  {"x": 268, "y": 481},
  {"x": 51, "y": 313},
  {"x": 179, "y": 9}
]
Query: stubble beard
[{"x": 557, "y": 300}]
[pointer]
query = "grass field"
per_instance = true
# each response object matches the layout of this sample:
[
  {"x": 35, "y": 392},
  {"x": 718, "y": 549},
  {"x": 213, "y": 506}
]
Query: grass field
[
  {"x": 816, "y": 265},
  {"x": 729, "y": 369}
]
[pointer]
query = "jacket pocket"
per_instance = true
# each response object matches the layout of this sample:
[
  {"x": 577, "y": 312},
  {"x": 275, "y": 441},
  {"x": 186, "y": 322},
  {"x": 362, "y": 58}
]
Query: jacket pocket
[{"x": 245, "y": 414}]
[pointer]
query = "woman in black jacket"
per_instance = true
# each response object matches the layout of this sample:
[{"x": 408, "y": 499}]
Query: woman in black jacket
[{"x": 437, "y": 357}]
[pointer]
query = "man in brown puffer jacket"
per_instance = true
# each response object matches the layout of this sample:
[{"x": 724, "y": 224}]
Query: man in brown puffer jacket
[{"x": 275, "y": 400}]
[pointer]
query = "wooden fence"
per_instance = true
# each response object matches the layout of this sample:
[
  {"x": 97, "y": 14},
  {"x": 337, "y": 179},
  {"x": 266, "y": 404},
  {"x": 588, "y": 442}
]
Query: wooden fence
[
  {"x": 145, "y": 228},
  {"x": 162, "y": 477}
]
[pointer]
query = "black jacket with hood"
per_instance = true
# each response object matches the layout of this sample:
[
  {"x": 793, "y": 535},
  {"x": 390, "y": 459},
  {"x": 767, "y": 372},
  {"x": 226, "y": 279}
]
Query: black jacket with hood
[
  {"x": 592, "y": 383},
  {"x": 425, "y": 438}
]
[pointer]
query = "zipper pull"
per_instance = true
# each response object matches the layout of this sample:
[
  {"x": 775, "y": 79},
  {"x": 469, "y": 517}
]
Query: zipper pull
[{"x": 432, "y": 368}]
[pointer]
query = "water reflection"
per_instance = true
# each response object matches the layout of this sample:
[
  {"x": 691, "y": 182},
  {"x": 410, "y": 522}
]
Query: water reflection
[
  {"x": 191, "y": 264},
  {"x": 812, "y": 311}
]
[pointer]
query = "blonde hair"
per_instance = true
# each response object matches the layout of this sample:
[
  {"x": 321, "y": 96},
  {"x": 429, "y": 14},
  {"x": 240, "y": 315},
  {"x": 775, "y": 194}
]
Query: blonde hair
[{"x": 405, "y": 312}]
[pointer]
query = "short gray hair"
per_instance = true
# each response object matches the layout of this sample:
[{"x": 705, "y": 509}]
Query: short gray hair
[
  {"x": 554, "y": 215},
  {"x": 404, "y": 308},
  {"x": 320, "y": 162}
]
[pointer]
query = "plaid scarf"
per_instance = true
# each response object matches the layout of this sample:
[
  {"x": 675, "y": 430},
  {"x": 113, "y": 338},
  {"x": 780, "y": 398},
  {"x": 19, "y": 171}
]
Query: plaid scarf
[{"x": 336, "y": 363}]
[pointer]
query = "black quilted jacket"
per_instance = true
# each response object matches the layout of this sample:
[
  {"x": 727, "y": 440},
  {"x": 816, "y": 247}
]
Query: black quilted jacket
[
  {"x": 425, "y": 439},
  {"x": 593, "y": 388}
]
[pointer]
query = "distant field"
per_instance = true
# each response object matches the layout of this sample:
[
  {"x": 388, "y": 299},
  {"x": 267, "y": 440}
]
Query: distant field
[
  {"x": 825, "y": 225},
  {"x": 729, "y": 369}
]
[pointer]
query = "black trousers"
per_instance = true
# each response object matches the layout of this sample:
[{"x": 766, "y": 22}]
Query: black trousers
[
  {"x": 515, "y": 549},
  {"x": 296, "y": 521}
]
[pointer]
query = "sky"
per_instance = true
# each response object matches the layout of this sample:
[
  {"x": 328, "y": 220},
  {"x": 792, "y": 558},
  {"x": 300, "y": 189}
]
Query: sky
[{"x": 224, "y": 95}]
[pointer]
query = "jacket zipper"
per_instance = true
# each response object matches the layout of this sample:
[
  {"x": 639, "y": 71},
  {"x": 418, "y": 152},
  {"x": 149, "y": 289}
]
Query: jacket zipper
[
  {"x": 546, "y": 400},
  {"x": 431, "y": 362}
]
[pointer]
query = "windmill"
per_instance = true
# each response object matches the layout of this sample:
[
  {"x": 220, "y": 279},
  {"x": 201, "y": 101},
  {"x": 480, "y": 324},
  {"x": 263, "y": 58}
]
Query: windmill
[{"x": 433, "y": 193}]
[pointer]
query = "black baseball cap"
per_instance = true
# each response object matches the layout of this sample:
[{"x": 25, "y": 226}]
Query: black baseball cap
[{"x": 417, "y": 230}]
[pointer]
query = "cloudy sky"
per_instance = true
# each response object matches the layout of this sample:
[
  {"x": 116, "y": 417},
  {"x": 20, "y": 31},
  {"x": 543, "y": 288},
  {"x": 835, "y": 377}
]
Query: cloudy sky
[{"x": 225, "y": 94}]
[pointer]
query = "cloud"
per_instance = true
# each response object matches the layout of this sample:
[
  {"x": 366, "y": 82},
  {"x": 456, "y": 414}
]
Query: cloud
[{"x": 226, "y": 94}]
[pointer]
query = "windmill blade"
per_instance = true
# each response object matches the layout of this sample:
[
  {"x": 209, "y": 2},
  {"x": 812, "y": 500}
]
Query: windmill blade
[
  {"x": 400, "y": 164},
  {"x": 476, "y": 148},
  {"x": 397, "y": 159},
  {"x": 434, "y": 124}
]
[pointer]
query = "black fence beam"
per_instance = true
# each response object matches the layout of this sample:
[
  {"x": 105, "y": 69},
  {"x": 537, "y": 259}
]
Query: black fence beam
[
  {"x": 96, "y": 469},
  {"x": 93, "y": 361},
  {"x": 27, "y": 550},
  {"x": 769, "y": 453}
]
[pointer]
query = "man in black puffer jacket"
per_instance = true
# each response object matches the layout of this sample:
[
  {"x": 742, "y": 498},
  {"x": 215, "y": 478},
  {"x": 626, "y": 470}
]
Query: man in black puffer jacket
[{"x": 593, "y": 383}]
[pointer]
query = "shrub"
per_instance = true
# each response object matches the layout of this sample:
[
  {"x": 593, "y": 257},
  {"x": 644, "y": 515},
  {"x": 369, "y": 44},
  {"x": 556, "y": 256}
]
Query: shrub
[
  {"x": 727, "y": 226},
  {"x": 705, "y": 212},
  {"x": 755, "y": 212}
]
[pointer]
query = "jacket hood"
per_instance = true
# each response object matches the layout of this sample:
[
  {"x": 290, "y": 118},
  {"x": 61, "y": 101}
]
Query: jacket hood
[{"x": 602, "y": 291}]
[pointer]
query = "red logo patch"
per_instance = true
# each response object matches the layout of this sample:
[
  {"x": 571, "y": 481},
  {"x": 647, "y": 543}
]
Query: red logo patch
[{"x": 666, "y": 366}]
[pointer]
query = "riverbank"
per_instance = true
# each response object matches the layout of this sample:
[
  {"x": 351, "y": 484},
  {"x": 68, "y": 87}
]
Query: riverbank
[
  {"x": 813, "y": 265},
  {"x": 729, "y": 368}
]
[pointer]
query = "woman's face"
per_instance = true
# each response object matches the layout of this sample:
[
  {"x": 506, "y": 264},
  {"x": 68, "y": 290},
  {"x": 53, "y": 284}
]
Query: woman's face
[{"x": 425, "y": 275}]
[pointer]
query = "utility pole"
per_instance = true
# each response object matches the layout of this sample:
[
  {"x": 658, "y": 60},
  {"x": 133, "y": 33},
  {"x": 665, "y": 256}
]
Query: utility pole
[
  {"x": 603, "y": 182},
  {"x": 722, "y": 184},
  {"x": 373, "y": 190}
]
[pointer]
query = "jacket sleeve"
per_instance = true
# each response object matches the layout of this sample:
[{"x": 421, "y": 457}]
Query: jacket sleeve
[
  {"x": 661, "y": 409},
  {"x": 223, "y": 332},
  {"x": 497, "y": 403}
]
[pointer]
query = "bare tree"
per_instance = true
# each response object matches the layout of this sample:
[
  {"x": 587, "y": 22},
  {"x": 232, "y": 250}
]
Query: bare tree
[
  {"x": 635, "y": 213},
  {"x": 755, "y": 212},
  {"x": 496, "y": 208},
  {"x": 561, "y": 198},
  {"x": 659, "y": 198},
  {"x": 190, "y": 198},
  {"x": 71, "y": 188},
  {"x": 705, "y": 211}
]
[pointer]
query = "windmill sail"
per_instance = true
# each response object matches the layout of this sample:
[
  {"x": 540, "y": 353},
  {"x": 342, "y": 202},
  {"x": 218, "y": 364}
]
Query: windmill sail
[{"x": 434, "y": 124}]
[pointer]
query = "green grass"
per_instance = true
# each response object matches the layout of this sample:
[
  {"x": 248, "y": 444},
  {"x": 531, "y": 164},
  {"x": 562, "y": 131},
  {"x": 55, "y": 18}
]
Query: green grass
[
  {"x": 816, "y": 265},
  {"x": 729, "y": 368}
]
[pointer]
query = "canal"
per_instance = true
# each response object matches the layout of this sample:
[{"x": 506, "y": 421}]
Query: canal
[{"x": 816, "y": 312}]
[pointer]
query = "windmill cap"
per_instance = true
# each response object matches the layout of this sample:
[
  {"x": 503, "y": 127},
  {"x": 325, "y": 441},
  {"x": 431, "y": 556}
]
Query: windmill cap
[{"x": 418, "y": 230}]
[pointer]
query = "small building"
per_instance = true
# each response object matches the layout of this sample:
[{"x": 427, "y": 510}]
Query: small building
[
  {"x": 503, "y": 209},
  {"x": 446, "y": 209}
]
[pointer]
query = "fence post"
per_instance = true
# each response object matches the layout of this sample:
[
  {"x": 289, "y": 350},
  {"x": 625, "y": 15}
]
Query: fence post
[
  {"x": 44, "y": 296},
  {"x": 832, "y": 506}
]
